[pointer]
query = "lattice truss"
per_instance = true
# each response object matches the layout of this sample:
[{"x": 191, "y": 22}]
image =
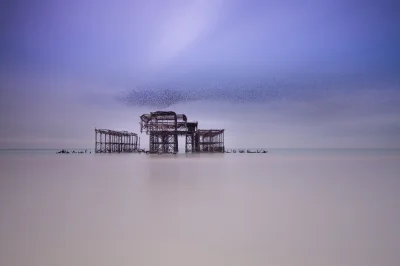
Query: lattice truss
[
  {"x": 164, "y": 127},
  {"x": 115, "y": 141},
  {"x": 162, "y": 121},
  {"x": 210, "y": 140}
]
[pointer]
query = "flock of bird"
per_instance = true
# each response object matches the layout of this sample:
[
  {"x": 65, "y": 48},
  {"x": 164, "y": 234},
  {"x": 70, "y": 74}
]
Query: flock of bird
[{"x": 251, "y": 93}]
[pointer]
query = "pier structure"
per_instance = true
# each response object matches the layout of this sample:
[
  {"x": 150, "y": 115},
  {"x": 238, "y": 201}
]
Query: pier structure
[
  {"x": 111, "y": 141},
  {"x": 191, "y": 137},
  {"x": 210, "y": 140},
  {"x": 164, "y": 128}
]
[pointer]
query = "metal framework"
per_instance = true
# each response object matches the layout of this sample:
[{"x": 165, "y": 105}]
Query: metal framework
[
  {"x": 210, "y": 140},
  {"x": 163, "y": 121},
  {"x": 164, "y": 127},
  {"x": 115, "y": 141},
  {"x": 191, "y": 136}
]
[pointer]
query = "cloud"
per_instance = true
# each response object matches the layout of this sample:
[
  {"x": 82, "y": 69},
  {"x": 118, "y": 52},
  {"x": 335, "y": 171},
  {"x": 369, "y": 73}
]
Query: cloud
[
  {"x": 185, "y": 23},
  {"x": 67, "y": 67}
]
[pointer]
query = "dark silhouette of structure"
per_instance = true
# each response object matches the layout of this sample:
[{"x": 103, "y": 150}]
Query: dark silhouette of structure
[
  {"x": 164, "y": 128},
  {"x": 115, "y": 141},
  {"x": 210, "y": 140}
]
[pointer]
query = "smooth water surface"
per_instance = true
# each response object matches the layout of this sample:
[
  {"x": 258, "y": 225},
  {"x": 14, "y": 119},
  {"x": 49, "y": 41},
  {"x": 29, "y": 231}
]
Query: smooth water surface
[{"x": 217, "y": 209}]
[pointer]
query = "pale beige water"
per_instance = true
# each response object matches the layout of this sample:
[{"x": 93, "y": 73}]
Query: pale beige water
[{"x": 231, "y": 209}]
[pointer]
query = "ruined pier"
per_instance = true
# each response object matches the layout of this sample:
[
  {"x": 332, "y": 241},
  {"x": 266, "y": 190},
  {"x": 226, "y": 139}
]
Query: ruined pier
[
  {"x": 111, "y": 141},
  {"x": 164, "y": 128}
]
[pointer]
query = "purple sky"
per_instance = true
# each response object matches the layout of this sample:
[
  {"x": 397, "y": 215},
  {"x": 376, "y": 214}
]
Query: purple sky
[{"x": 273, "y": 73}]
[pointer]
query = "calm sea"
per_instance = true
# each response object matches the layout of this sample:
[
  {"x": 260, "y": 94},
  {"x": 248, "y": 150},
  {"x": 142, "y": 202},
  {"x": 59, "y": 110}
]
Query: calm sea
[
  {"x": 275, "y": 151},
  {"x": 286, "y": 207}
]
